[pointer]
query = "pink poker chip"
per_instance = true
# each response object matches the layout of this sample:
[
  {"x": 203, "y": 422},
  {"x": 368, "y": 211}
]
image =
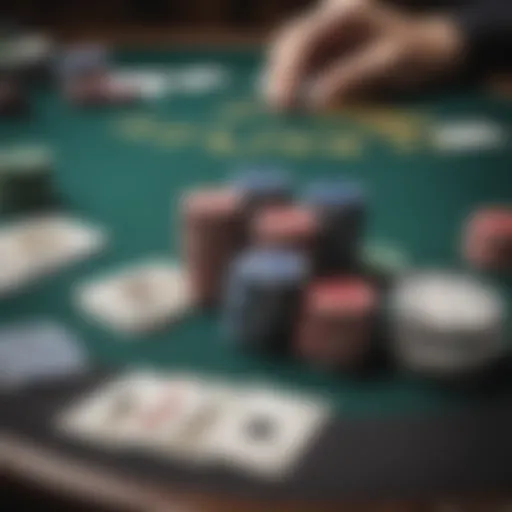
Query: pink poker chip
[{"x": 285, "y": 225}]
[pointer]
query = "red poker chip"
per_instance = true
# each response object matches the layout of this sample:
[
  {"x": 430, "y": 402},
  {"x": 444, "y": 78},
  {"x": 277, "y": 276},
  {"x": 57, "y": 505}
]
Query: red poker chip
[
  {"x": 341, "y": 296},
  {"x": 492, "y": 220},
  {"x": 285, "y": 224},
  {"x": 488, "y": 238}
]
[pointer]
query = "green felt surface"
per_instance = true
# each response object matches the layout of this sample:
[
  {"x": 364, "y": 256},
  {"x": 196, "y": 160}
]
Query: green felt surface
[{"x": 126, "y": 167}]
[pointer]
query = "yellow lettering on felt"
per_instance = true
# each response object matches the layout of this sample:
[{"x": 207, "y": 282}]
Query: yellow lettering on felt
[
  {"x": 263, "y": 142},
  {"x": 296, "y": 144},
  {"x": 238, "y": 110},
  {"x": 137, "y": 127},
  {"x": 401, "y": 128},
  {"x": 221, "y": 143},
  {"x": 175, "y": 134},
  {"x": 344, "y": 146}
]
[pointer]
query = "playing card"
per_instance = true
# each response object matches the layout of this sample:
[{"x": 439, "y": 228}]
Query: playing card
[
  {"x": 53, "y": 241},
  {"x": 141, "y": 298},
  {"x": 191, "y": 409},
  {"x": 32, "y": 248},
  {"x": 38, "y": 351},
  {"x": 266, "y": 432},
  {"x": 165, "y": 415},
  {"x": 468, "y": 135},
  {"x": 105, "y": 416}
]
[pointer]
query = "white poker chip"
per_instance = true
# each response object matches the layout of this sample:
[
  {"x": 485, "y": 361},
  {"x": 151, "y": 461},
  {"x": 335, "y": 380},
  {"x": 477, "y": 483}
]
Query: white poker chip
[
  {"x": 445, "y": 322},
  {"x": 449, "y": 301}
]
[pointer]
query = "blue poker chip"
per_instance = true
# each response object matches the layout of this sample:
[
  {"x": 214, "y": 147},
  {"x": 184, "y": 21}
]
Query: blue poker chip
[
  {"x": 262, "y": 298},
  {"x": 276, "y": 266},
  {"x": 335, "y": 193},
  {"x": 263, "y": 181}
]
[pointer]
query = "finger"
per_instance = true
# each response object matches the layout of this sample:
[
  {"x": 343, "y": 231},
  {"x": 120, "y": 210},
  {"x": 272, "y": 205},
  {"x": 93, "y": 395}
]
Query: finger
[
  {"x": 376, "y": 63},
  {"x": 293, "y": 53}
]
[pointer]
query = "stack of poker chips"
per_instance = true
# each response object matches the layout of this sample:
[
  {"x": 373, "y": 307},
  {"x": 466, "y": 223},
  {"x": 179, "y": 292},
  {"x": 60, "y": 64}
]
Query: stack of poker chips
[
  {"x": 289, "y": 269},
  {"x": 336, "y": 322},
  {"x": 445, "y": 324},
  {"x": 263, "y": 298},
  {"x": 341, "y": 206},
  {"x": 212, "y": 234},
  {"x": 26, "y": 180},
  {"x": 487, "y": 240},
  {"x": 84, "y": 73}
]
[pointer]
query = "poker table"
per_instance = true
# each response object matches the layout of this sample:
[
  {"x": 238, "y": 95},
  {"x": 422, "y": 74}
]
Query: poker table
[{"x": 395, "y": 438}]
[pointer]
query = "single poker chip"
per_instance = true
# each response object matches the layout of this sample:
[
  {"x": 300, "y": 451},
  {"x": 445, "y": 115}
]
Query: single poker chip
[
  {"x": 261, "y": 187},
  {"x": 210, "y": 205},
  {"x": 334, "y": 194},
  {"x": 272, "y": 266},
  {"x": 262, "y": 181},
  {"x": 446, "y": 323},
  {"x": 344, "y": 296},
  {"x": 286, "y": 225}
]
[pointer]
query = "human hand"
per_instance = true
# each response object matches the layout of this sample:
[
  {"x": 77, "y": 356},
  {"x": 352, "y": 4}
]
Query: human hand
[{"x": 352, "y": 47}]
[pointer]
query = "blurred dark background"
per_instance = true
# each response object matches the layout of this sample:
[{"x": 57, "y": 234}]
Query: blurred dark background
[{"x": 67, "y": 16}]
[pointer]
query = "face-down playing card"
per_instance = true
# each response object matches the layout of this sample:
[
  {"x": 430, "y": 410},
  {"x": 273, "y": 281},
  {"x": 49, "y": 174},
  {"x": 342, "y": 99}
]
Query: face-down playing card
[{"x": 39, "y": 351}]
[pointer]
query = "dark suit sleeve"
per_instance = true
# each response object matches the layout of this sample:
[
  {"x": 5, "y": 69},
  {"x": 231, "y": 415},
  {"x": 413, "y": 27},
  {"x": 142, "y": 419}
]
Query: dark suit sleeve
[{"x": 487, "y": 25}]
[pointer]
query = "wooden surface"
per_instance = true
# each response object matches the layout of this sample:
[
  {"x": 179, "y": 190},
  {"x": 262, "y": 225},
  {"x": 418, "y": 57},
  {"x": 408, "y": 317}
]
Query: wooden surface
[{"x": 94, "y": 486}]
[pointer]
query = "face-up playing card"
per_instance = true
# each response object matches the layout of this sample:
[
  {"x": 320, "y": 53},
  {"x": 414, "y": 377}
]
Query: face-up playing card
[
  {"x": 38, "y": 351},
  {"x": 266, "y": 432},
  {"x": 142, "y": 298},
  {"x": 105, "y": 416},
  {"x": 190, "y": 408},
  {"x": 32, "y": 248},
  {"x": 169, "y": 416},
  {"x": 53, "y": 241}
]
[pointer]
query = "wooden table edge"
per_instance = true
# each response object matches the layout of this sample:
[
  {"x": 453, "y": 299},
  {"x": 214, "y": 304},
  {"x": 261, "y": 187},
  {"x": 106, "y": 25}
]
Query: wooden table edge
[{"x": 33, "y": 464}]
